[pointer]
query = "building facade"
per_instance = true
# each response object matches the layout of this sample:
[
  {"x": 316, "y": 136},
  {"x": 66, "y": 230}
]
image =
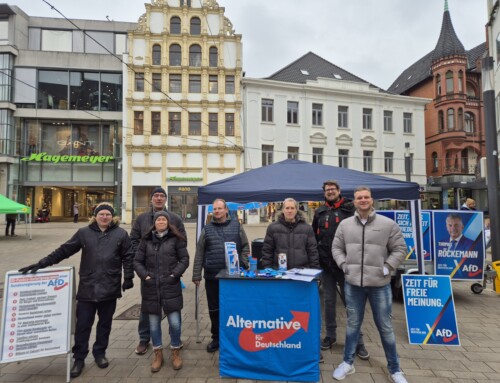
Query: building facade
[
  {"x": 450, "y": 75},
  {"x": 312, "y": 110},
  {"x": 61, "y": 111},
  {"x": 182, "y": 124}
]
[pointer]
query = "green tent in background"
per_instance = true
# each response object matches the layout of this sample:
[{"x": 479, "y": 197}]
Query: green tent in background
[{"x": 8, "y": 206}]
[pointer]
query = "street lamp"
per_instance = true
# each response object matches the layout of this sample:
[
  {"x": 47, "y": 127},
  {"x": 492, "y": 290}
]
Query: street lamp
[
  {"x": 407, "y": 162},
  {"x": 491, "y": 154}
]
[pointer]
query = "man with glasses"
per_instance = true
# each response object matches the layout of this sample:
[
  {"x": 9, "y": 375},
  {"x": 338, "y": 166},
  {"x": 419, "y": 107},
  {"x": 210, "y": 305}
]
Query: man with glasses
[
  {"x": 141, "y": 226},
  {"x": 326, "y": 220}
]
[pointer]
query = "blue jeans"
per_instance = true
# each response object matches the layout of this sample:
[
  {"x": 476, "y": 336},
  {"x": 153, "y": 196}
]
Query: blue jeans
[
  {"x": 381, "y": 304},
  {"x": 174, "y": 329},
  {"x": 143, "y": 328}
]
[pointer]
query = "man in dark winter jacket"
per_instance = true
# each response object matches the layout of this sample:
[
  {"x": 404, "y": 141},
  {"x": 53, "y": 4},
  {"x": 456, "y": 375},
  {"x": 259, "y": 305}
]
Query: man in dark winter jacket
[
  {"x": 106, "y": 248},
  {"x": 290, "y": 234},
  {"x": 210, "y": 255},
  {"x": 325, "y": 223},
  {"x": 141, "y": 226}
]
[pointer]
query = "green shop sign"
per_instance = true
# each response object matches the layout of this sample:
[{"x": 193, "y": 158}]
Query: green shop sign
[
  {"x": 185, "y": 178},
  {"x": 56, "y": 158}
]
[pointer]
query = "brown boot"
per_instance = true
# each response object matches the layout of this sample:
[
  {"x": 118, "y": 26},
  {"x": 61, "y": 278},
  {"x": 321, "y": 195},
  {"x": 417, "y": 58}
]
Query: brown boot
[
  {"x": 176, "y": 358},
  {"x": 157, "y": 360}
]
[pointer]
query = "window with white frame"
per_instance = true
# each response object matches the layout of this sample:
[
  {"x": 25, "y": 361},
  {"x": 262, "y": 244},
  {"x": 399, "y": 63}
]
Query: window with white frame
[
  {"x": 155, "y": 123},
  {"x": 293, "y": 152},
  {"x": 317, "y": 157},
  {"x": 213, "y": 124},
  {"x": 267, "y": 155},
  {"x": 292, "y": 113},
  {"x": 389, "y": 162},
  {"x": 407, "y": 123},
  {"x": 267, "y": 106},
  {"x": 367, "y": 119},
  {"x": 344, "y": 158},
  {"x": 194, "y": 124},
  {"x": 387, "y": 121},
  {"x": 317, "y": 114},
  {"x": 229, "y": 124},
  {"x": 343, "y": 113},
  {"x": 213, "y": 84},
  {"x": 367, "y": 161}
]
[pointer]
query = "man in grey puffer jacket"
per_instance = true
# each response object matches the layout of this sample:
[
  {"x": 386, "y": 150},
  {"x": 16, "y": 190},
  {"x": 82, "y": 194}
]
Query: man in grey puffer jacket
[{"x": 367, "y": 247}]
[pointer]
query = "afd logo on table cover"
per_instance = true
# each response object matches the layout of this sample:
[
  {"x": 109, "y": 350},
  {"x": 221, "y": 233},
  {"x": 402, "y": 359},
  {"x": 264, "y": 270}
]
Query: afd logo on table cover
[{"x": 262, "y": 334}]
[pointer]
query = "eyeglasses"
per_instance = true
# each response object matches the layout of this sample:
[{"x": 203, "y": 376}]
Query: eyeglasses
[{"x": 330, "y": 190}]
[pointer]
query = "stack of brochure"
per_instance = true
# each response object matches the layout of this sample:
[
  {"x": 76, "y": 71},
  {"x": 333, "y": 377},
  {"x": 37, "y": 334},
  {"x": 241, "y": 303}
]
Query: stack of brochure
[{"x": 301, "y": 274}]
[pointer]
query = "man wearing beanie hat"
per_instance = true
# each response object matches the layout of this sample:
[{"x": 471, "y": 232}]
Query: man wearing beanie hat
[
  {"x": 141, "y": 226},
  {"x": 106, "y": 249}
]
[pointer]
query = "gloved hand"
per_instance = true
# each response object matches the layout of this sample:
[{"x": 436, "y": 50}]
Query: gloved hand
[
  {"x": 127, "y": 284},
  {"x": 31, "y": 268}
]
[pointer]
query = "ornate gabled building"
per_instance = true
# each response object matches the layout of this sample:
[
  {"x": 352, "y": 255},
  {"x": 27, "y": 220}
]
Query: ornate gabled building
[
  {"x": 454, "y": 130},
  {"x": 183, "y": 105}
]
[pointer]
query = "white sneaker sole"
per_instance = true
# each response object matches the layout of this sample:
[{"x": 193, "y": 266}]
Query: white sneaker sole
[{"x": 349, "y": 373}]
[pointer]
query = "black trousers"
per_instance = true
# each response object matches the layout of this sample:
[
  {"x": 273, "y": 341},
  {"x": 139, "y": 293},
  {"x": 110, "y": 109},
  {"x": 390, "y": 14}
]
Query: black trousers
[
  {"x": 12, "y": 224},
  {"x": 85, "y": 316},
  {"x": 212, "y": 289}
]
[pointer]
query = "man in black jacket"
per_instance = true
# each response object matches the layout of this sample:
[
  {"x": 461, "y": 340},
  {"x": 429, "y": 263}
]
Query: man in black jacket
[
  {"x": 325, "y": 222},
  {"x": 141, "y": 226},
  {"x": 106, "y": 248}
]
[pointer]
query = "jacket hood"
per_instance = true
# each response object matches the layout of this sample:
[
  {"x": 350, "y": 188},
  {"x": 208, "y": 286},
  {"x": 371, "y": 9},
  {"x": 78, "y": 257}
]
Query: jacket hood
[{"x": 114, "y": 222}]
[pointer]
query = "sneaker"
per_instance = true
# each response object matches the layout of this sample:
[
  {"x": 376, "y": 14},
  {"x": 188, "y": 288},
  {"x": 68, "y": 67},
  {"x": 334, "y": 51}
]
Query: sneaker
[
  {"x": 362, "y": 352},
  {"x": 398, "y": 377},
  {"x": 142, "y": 348},
  {"x": 343, "y": 370},
  {"x": 327, "y": 343}
]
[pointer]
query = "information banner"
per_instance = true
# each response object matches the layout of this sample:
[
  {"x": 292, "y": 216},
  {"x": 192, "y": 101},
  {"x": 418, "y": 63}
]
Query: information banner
[
  {"x": 403, "y": 219},
  {"x": 269, "y": 329},
  {"x": 459, "y": 244},
  {"x": 36, "y": 315},
  {"x": 430, "y": 310}
]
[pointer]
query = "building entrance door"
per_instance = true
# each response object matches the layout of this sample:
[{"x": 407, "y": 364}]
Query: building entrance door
[{"x": 184, "y": 203}]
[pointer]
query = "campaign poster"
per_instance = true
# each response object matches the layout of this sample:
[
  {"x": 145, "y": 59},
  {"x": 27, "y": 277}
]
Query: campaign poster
[
  {"x": 459, "y": 244},
  {"x": 403, "y": 219},
  {"x": 36, "y": 316},
  {"x": 269, "y": 329},
  {"x": 430, "y": 310}
]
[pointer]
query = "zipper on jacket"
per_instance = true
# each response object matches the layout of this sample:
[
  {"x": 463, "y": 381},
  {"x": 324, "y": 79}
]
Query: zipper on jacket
[{"x": 362, "y": 253}]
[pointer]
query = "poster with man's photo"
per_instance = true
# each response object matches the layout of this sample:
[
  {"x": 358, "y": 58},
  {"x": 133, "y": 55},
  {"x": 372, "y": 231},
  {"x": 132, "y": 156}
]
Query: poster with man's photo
[{"x": 459, "y": 244}]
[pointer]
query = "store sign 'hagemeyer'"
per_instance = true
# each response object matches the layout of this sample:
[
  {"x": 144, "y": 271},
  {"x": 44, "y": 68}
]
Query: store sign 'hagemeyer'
[{"x": 56, "y": 158}]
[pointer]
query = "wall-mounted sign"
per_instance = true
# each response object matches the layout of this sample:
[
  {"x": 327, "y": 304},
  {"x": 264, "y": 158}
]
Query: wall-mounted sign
[
  {"x": 174, "y": 178},
  {"x": 56, "y": 158}
]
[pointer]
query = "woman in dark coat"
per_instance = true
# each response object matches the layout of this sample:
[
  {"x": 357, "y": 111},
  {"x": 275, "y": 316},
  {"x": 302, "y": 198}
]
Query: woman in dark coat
[{"x": 160, "y": 261}]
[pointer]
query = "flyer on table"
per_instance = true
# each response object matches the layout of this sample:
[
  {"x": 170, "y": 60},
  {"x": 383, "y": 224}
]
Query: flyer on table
[
  {"x": 36, "y": 314},
  {"x": 430, "y": 310},
  {"x": 459, "y": 244}
]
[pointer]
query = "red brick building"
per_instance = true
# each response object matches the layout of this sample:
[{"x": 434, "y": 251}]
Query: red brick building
[{"x": 454, "y": 126}]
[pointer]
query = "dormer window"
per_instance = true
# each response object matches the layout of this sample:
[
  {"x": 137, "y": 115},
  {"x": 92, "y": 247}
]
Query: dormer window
[
  {"x": 337, "y": 76},
  {"x": 305, "y": 72}
]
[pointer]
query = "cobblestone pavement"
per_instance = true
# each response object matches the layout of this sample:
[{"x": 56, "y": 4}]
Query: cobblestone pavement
[{"x": 476, "y": 360}]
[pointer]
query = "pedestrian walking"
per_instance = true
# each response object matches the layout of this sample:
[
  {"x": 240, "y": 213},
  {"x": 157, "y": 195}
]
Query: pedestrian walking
[
  {"x": 106, "y": 249},
  {"x": 141, "y": 226},
  {"x": 368, "y": 247},
  {"x": 160, "y": 261},
  {"x": 210, "y": 256}
]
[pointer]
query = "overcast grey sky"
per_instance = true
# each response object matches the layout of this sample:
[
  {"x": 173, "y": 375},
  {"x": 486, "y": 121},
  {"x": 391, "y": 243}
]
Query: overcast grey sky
[{"x": 373, "y": 39}]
